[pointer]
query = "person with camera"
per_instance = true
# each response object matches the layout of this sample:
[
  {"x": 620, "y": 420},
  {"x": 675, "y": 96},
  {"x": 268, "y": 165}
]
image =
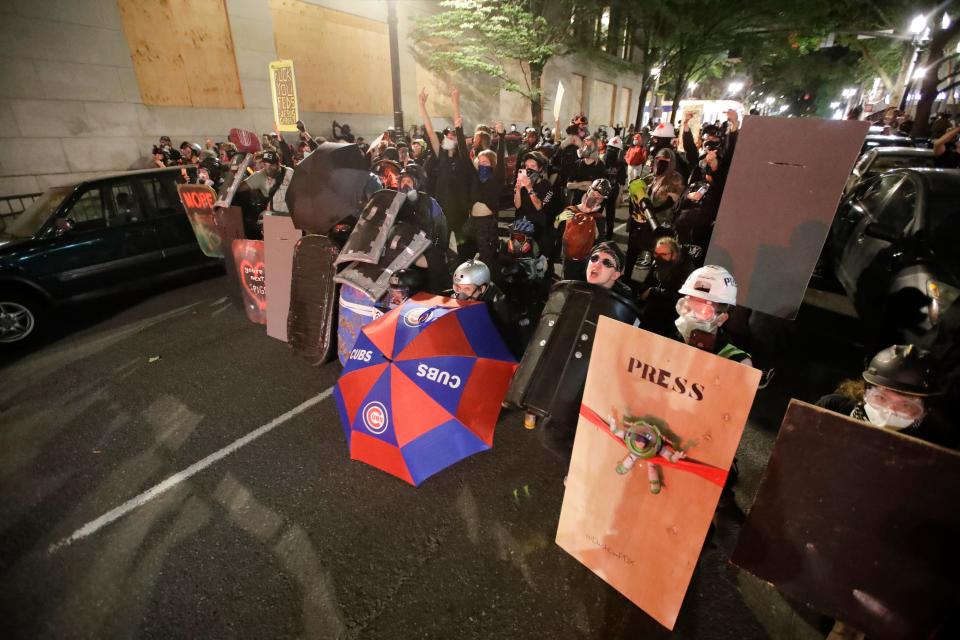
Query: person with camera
[
  {"x": 208, "y": 168},
  {"x": 532, "y": 195}
]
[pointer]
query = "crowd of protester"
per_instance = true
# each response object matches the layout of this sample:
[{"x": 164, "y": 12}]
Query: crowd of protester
[{"x": 563, "y": 186}]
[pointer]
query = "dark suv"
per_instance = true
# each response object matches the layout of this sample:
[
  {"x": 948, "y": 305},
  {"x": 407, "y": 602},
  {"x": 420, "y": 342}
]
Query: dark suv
[
  {"x": 893, "y": 246},
  {"x": 90, "y": 239}
]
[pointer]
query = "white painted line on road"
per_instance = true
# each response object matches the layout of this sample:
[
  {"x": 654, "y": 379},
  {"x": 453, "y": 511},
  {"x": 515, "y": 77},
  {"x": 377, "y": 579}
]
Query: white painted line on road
[
  {"x": 159, "y": 489},
  {"x": 218, "y": 301}
]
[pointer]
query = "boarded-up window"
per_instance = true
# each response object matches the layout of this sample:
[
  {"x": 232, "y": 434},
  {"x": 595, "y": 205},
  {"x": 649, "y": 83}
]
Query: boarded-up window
[
  {"x": 576, "y": 98},
  {"x": 182, "y": 52},
  {"x": 626, "y": 100},
  {"x": 601, "y": 102},
  {"x": 342, "y": 61}
]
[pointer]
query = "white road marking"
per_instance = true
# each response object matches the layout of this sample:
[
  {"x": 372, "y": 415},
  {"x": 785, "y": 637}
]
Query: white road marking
[
  {"x": 159, "y": 489},
  {"x": 218, "y": 301}
]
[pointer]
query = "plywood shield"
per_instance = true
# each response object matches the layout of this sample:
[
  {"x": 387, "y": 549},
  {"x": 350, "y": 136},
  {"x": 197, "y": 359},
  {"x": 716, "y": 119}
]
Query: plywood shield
[
  {"x": 779, "y": 201},
  {"x": 230, "y": 227},
  {"x": 313, "y": 299},
  {"x": 248, "y": 261},
  {"x": 860, "y": 523},
  {"x": 279, "y": 241},
  {"x": 198, "y": 201},
  {"x": 632, "y": 513}
]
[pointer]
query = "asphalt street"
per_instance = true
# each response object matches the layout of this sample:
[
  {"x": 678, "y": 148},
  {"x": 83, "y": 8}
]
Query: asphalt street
[{"x": 255, "y": 523}]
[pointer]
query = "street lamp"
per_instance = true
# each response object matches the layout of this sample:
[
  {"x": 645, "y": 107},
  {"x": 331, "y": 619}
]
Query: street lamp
[
  {"x": 655, "y": 72},
  {"x": 918, "y": 24},
  {"x": 945, "y": 22},
  {"x": 834, "y": 105},
  {"x": 768, "y": 100},
  {"x": 735, "y": 87}
]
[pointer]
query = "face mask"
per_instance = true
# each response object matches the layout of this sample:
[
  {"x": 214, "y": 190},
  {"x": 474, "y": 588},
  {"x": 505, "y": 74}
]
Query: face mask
[
  {"x": 587, "y": 152},
  {"x": 886, "y": 419},
  {"x": 448, "y": 144},
  {"x": 412, "y": 195},
  {"x": 686, "y": 325},
  {"x": 533, "y": 174},
  {"x": 485, "y": 172}
]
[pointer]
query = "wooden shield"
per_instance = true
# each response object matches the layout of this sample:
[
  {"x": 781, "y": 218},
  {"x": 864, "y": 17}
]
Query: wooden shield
[
  {"x": 858, "y": 522},
  {"x": 646, "y": 544},
  {"x": 279, "y": 240},
  {"x": 780, "y": 198}
]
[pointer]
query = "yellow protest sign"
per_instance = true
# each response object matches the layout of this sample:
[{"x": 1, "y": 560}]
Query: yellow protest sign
[{"x": 283, "y": 86}]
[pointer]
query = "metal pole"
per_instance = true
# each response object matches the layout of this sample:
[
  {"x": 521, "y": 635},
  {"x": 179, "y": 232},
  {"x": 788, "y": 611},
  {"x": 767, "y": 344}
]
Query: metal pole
[{"x": 395, "y": 64}]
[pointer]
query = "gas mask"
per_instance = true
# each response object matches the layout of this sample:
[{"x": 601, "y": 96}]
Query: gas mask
[
  {"x": 889, "y": 413},
  {"x": 448, "y": 144},
  {"x": 885, "y": 418},
  {"x": 688, "y": 320},
  {"x": 591, "y": 202},
  {"x": 411, "y": 194}
]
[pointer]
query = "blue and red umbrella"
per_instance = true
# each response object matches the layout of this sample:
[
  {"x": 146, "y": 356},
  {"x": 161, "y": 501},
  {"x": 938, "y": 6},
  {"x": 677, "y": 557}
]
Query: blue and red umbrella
[{"x": 423, "y": 386}]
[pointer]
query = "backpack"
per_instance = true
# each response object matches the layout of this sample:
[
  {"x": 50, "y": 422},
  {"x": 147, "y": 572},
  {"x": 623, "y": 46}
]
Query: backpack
[{"x": 579, "y": 236}]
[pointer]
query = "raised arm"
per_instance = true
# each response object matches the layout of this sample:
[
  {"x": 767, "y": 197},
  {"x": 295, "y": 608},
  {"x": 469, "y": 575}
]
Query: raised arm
[
  {"x": 940, "y": 144},
  {"x": 431, "y": 136}
]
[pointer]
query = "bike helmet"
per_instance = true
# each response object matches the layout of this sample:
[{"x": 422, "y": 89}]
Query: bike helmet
[
  {"x": 523, "y": 226},
  {"x": 474, "y": 272}
]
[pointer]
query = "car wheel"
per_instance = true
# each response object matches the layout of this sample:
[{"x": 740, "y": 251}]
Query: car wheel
[{"x": 20, "y": 318}]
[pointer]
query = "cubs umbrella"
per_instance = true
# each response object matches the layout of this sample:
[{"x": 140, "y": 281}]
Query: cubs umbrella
[{"x": 422, "y": 387}]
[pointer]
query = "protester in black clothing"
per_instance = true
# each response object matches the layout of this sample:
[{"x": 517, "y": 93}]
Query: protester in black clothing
[
  {"x": 615, "y": 171},
  {"x": 583, "y": 172},
  {"x": 532, "y": 196},
  {"x": 190, "y": 152},
  {"x": 485, "y": 184},
  {"x": 530, "y": 141},
  {"x": 660, "y": 291},
  {"x": 451, "y": 188}
]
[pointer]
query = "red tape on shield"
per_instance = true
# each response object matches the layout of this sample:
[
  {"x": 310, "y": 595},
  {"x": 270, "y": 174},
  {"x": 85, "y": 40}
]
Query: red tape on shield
[{"x": 714, "y": 474}]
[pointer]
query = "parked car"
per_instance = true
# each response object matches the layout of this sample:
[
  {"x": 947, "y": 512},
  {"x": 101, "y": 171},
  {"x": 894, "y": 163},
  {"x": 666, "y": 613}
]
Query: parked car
[
  {"x": 873, "y": 141},
  {"x": 893, "y": 249},
  {"x": 90, "y": 239},
  {"x": 880, "y": 159}
]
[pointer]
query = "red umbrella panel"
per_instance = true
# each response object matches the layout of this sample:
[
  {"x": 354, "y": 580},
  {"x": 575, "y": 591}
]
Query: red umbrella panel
[{"x": 423, "y": 386}]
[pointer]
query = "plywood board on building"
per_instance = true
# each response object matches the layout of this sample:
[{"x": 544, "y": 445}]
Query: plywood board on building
[
  {"x": 577, "y": 92},
  {"x": 182, "y": 52},
  {"x": 601, "y": 102},
  {"x": 342, "y": 61},
  {"x": 625, "y": 104}
]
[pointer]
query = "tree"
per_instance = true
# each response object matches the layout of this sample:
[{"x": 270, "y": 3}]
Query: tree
[{"x": 481, "y": 36}]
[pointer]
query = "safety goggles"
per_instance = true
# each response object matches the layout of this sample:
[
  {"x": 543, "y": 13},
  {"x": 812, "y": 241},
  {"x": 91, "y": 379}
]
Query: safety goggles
[
  {"x": 702, "y": 310},
  {"x": 896, "y": 403},
  {"x": 607, "y": 262}
]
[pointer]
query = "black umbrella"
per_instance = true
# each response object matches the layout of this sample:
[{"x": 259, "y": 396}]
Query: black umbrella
[{"x": 327, "y": 186}]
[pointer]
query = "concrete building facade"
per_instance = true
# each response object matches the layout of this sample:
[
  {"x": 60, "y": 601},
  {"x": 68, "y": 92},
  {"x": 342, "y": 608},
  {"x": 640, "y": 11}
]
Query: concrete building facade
[{"x": 83, "y": 84}]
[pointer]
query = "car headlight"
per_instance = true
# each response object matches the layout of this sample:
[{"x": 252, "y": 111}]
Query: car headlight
[{"x": 941, "y": 297}]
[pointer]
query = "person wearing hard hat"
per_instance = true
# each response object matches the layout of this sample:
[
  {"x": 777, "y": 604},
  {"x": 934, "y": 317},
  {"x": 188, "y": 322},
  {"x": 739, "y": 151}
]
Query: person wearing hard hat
[{"x": 708, "y": 294}]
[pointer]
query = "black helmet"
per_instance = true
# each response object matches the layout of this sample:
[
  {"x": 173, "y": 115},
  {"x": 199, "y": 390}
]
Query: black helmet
[
  {"x": 903, "y": 368},
  {"x": 416, "y": 172},
  {"x": 193, "y": 145},
  {"x": 601, "y": 186},
  {"x": 409, "y": 278}
]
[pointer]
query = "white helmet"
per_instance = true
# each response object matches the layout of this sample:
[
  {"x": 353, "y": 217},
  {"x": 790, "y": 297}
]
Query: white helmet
[
  {"x": 616, "y": 142},
  {"x": 664, "y": 130},
  {"x": 711, "y": 283},
  {"x": 474, "y": 272}
]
